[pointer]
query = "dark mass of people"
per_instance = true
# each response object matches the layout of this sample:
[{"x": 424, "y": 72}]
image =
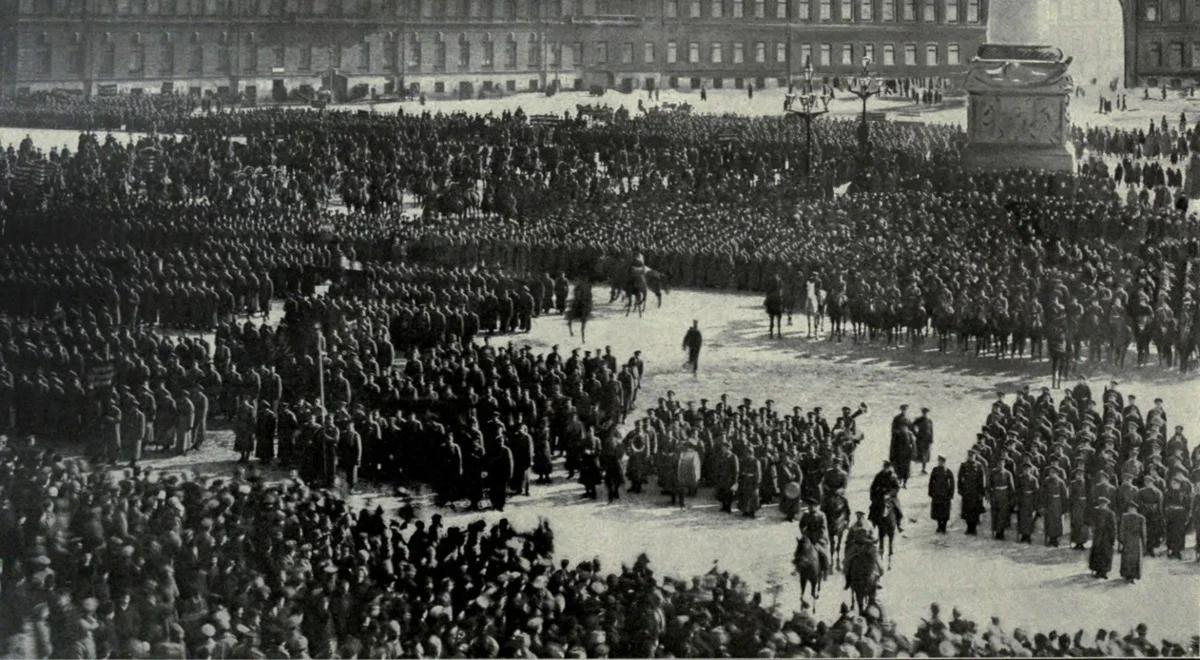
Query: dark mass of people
[
  {"x": 347, "y": 293},
  {"x": 102, "y": 564},
  {"x": 1082, "y": 470}
]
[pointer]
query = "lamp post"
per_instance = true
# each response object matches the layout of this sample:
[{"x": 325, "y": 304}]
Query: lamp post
[
  {"x": 808, "y": 111},
  {"x": 864, "y": 86}
]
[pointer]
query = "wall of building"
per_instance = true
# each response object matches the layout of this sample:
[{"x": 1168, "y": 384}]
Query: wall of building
[
  {"x": 464, "y": 46},
  {"x": 1166, "y": 42}
]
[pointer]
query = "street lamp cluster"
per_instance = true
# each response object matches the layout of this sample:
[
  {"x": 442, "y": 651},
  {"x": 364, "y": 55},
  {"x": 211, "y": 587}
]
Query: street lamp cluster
[
  {"x": 864, "y": 86},
  {"x": 808, "y": 111}
]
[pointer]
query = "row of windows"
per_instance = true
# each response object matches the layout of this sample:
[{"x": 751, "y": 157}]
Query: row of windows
[
  {"x": 201, "y": 60},
  {"x": 1170, "y": 11},
  {"x": 1172, "y": 56},
  {"x": 495, "y": 9},
  {"x": 759, "y": 52},
  {"x": 952, "y": 11}
]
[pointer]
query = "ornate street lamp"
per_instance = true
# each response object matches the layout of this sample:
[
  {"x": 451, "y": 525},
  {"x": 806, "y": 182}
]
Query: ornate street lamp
[
  {"x": 808, "y": 111},
  {"x": 864, "y": 86}
]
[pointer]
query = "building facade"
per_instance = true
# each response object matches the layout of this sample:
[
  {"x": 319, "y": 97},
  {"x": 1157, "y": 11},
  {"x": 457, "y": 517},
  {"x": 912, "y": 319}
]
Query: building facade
[
  {"x": 269, "y": 49},
  {"x": 1162, "y": 42}
]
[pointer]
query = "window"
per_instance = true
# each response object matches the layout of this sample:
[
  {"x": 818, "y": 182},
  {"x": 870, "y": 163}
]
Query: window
[
  {"x": 648, "y": 52},
  {"x": 601, "y": 52},
  {"x": 672, "y": 8},
  {"x": 672, "y": 52},
  {"x": 760, "y": 52},
  {"x": 910, "y": 55},
  {"x": 250, "y": 65},
  {"x": 847, "y": 54},
  {"x": 846, "y": 10},
  {"x": 137, "y": 55},
  {"x": 694, "y": 12},
  {"x": 718, "y": 8},
  {"x": 364, "y": 56},
  {"x": 391, "y": 47},
  {"x": 826, "y": 54},
  {"x": 716, "y": 52},
  {"x": 43, "y": 56},
  {"x": 555, "y": 55},
  {"x": 889, "y": 10},
  {"x": 335, "y": 56},
  {"x": 910, "y": 10},
  {"x": 627, "y": 53},
  {"x": 535, "y": 50},
  {"x": 804, "y": 11},
  {"x": 866, "y": 10},
  {"x": 414, "y": 54},
  {"x": 439, "y": 55},
  {"x": 464, "y": 52},
  {"x": 930, "y": 11},
  {"x": 75, "y": 54},
  {"x": 869, "y": 52},
  {"x": 889, "y": 55},
  {"x": 826, "y": 10},
  {"x": 278, "y": 57},
  {"x": 780, "y": 52},
  {"x": 739, "y": 8},
  {"x": 1156, "y": 54},
  {"x": 805, "y": 54},
  {"x": 951, "y": 11},
  {"x": 510, "y": 52},
  {"x": 196, "y": 55},
  {"x": 1172, "y": 10},
  {"x": 489, "y": 53},
  {"x": 781, "y": 9},
  {"x": 693, "y": 52},
  {"x": 1150, "y": 10},
  {"x": 1175, "y": 60},
  {"x": 931, "y": 55},
  {"x": 108, "y": 57},
  {"x": 952, "y": 54},
  {"x": 972, "y": 11},
  {"x": 760, "y": 8},
  {"x": 1196, "y": 54},
  {"x": 739, "y": 52}
]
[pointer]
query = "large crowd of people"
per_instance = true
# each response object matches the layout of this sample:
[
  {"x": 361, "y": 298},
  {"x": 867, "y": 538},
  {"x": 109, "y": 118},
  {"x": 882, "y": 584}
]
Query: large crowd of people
[
  {"x": 347, "y": 293},
  {"x": 1081, "y": 470},
  {"x": 149, "y": 565}
]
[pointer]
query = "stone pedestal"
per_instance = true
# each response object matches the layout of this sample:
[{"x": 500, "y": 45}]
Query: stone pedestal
[{"x": 1017, "y": 112}]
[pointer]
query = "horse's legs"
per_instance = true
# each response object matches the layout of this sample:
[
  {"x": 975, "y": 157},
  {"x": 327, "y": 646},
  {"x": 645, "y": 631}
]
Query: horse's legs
[{"x": 571, "y": 328}]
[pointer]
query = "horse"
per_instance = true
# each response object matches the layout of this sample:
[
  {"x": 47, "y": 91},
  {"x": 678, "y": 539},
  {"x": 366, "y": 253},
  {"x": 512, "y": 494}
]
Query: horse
[
  {"x": 659, "y": 284},
  {"x": 1060, "y": 360},
  {"x": 943, "y": 324},
  {"x": 886, "y": 524},
  {"x": 837, "y": 518},
  {"x": 774, "y": 304},
  {"x": 836, "y": 305},
  {"x": 862, "y": 572},
  {"x": 814, "y": 309},
  {"x": 807, "y": 562},
  {"x": 1143, "y": 332},
  {"x": 1118, "y": 338},
  {"x": 580, "y": 309},
  {"x": 916, "y": 321}
]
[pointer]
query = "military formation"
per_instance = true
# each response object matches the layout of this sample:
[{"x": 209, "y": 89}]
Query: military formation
[
  {"x": 347, "y": 294},
  {"x": 1084, "y": 470}
]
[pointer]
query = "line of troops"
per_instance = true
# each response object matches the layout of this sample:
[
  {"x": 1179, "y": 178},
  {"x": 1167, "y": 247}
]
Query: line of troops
[{"x": 1037, "y": 460}]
